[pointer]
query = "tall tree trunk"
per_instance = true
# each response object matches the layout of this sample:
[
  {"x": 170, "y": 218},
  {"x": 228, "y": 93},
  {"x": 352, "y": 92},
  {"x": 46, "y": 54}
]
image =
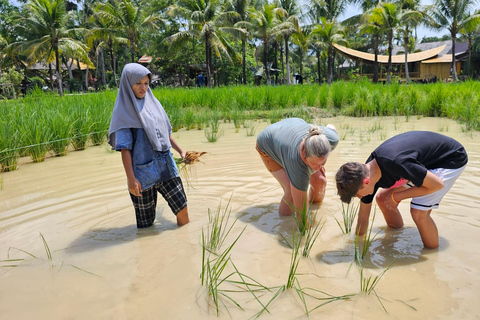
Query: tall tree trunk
[
  {"x": 319, "y": 70},
  {"x": 113, "y": 62},
  {"x": 281, "y": 61},
  {"x": 132, "y": 50},
  {"x": 244, "y": 61},
  {"x": 454, "y": 67},
  {"x": 329, "y": 65},
  {"x": 102, "y": 65},
  {"x": 59, "y": 75},
  {"x": 287, "y": 53},
  {"x": 265, "y": 60},
  {"x": 86, "y": 77},
  {"x": 50, "y": 73},
  {"x": 375, "y": 64},
  {"x": 207, "y": 62},
  {"x": 390, "y": 48},
  {"x": 405, "y": 41}
]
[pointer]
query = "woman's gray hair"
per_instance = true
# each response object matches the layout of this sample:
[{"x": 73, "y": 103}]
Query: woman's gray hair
[{"x": 316, "y": 143}]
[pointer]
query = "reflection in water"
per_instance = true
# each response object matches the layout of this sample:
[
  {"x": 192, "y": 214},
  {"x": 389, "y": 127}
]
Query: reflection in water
[{"x": 80, "y": 204}]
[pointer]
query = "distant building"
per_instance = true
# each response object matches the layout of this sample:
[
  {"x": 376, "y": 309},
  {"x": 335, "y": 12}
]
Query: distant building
[{"x": 432, "y": 61}]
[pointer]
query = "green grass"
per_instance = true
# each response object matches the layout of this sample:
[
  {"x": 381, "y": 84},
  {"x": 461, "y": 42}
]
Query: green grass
[{"x": 43, "y": 123}]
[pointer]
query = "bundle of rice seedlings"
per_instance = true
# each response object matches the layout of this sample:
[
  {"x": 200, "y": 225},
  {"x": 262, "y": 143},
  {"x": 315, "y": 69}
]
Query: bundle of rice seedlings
[{"x": 185, "y": 165}]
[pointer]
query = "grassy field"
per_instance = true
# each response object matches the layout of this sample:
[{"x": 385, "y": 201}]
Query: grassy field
[{"x": 43, "y": 124}]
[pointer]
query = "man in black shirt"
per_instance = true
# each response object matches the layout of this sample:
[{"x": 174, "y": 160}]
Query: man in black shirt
[{"x": 420, "y": 165}]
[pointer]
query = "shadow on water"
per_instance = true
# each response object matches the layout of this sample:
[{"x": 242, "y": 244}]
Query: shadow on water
[
  {"x": 107, "y": 237},
  {"x": 266, "y": 219},
  {"x": 399, "y": 246}
]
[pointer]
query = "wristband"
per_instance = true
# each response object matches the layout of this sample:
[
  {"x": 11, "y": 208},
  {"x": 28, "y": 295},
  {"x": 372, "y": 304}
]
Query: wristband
[{"x": 397, "y": 202}]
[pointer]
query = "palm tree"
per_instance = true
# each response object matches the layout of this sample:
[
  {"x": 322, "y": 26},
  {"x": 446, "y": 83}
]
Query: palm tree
[
  {"x": 302, "y": 40},
  {"x": 290, "y": 25},
  {"x": 389, "y": 17},
  {"x": 43, "y": 23},
  {"x": 412, "y": 16},
  {"x": 370, "y": 27},
  {"x": 130, "y": 18},
  {"x": 104, "y": 32},
  {"x": 262, "y": 22},
  {"x": 470, "y": 31},
  {"x": 329, "y": 9},
  {"x": 453, "y": 15},
  {"x": 328, "y": 33},
  {"x": 241, "y": 8},
  {"x": 208, "y": 20}
]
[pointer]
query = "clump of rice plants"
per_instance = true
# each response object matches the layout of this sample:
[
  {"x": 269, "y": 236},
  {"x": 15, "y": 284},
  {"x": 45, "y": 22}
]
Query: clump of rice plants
[
  {"x": 349, "y": 212},
  {"x": 311, "y": 234},
  {"x": 362, "y": 250},
  {"x": 36, "y": 137},
  {"x": 61, "y": 133},
  {"x": 213, "y": 132},
  {"x": 219, "y": 274},
  {"x": 250, "y": 128}
]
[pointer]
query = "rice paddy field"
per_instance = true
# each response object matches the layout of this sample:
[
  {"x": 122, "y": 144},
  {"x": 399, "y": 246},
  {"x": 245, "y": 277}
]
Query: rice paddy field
[{"x": 69, "y": 247}]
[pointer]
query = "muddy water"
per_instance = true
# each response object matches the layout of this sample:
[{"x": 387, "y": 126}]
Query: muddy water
[{"x": 102, "y": 267}]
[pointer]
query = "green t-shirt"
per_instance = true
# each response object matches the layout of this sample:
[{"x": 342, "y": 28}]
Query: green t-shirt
[{"x": 281, "y": 141}]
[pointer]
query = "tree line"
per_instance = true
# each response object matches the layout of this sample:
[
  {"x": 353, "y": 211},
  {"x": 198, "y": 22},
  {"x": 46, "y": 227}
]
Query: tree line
[{"x": 232, "y": 41}]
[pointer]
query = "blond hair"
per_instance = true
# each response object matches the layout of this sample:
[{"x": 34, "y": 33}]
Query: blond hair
[{"x": 316, "y": 143}]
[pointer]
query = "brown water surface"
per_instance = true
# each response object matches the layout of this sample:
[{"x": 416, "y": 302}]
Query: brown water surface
[{"x": 102, "y": 267}]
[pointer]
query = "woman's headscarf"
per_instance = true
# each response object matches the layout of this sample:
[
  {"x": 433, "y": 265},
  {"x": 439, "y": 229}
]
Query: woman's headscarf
[{"x": 129, "y": 113}]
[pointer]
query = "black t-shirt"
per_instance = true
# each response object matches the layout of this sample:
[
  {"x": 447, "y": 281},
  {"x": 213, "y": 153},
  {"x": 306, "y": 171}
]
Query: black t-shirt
[{"x": 411, "y": 154}]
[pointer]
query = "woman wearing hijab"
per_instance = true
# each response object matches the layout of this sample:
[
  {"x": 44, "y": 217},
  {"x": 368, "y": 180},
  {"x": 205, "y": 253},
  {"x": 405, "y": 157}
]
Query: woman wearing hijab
[{"x": 141, "y": 131}]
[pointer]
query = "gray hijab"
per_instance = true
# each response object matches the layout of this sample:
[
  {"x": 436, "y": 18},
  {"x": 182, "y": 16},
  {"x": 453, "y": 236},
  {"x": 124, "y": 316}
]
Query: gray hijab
[{"x": 146, "y": 113}]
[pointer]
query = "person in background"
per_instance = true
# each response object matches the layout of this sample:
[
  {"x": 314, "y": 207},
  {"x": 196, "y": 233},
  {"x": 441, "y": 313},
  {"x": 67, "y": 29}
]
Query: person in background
[
  {"x": 295, "y": 153},
  {"x": 419, "y": 165},
  {"x": 141, "y": 131}
]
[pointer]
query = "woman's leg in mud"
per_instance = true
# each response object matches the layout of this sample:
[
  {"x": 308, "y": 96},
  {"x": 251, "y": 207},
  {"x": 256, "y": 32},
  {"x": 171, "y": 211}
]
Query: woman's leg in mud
[{"x": 287, "y": 199}]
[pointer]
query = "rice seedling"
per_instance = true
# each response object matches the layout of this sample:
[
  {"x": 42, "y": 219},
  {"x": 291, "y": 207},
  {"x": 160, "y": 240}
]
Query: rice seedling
[
  {"x": 312, "y": 234},
  {"x": 215, "y": 275},
  {"x": 250, "y": 128},
  {"x": 213, "y": 132},
  {"x": 349, "y": 213},
  {"x": 218, "y": 228},
  {"x": 360, "y": 253},
  {"x": 294, "y": 261},
  {"x": 367, "y": 285}
]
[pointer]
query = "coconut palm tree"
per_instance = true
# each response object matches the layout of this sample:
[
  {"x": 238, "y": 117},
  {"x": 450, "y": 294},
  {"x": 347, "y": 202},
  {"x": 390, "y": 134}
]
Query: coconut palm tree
[
  {"x": 412, "y": 16},
  {"x": 328, "y": 33},
  {"x": 372, "y": 28},
  {"x": 452, "y": 15},
  {"x": 288, "y": 26},
  {"x": 130, "y": 17},
  {"x": 261, "y": 23},
  {"x": 208, "y": 21},
  {"x": 241, "y": 8},
  {"x": 103, "y": 31},
  {"x": 471, "y": 31},
  {"x": 389, "y": 17},
  {"x": 43, "y": 24}
]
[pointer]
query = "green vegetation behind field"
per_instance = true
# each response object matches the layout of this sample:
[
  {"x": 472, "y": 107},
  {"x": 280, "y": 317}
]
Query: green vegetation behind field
[{"x": 44, "y": 124}]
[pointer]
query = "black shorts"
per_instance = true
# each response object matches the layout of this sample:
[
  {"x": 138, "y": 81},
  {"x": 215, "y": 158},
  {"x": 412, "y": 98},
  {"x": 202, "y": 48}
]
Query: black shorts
[{"x": 146, "y": 205}]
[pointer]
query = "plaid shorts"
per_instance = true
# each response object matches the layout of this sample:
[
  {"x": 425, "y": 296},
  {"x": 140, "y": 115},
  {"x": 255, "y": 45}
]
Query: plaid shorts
[{"x": 146, "y": 205}]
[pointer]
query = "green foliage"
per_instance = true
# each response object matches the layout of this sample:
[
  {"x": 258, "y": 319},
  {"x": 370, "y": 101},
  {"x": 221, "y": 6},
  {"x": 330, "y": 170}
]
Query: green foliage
[{"x": 12, "y": 76}]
